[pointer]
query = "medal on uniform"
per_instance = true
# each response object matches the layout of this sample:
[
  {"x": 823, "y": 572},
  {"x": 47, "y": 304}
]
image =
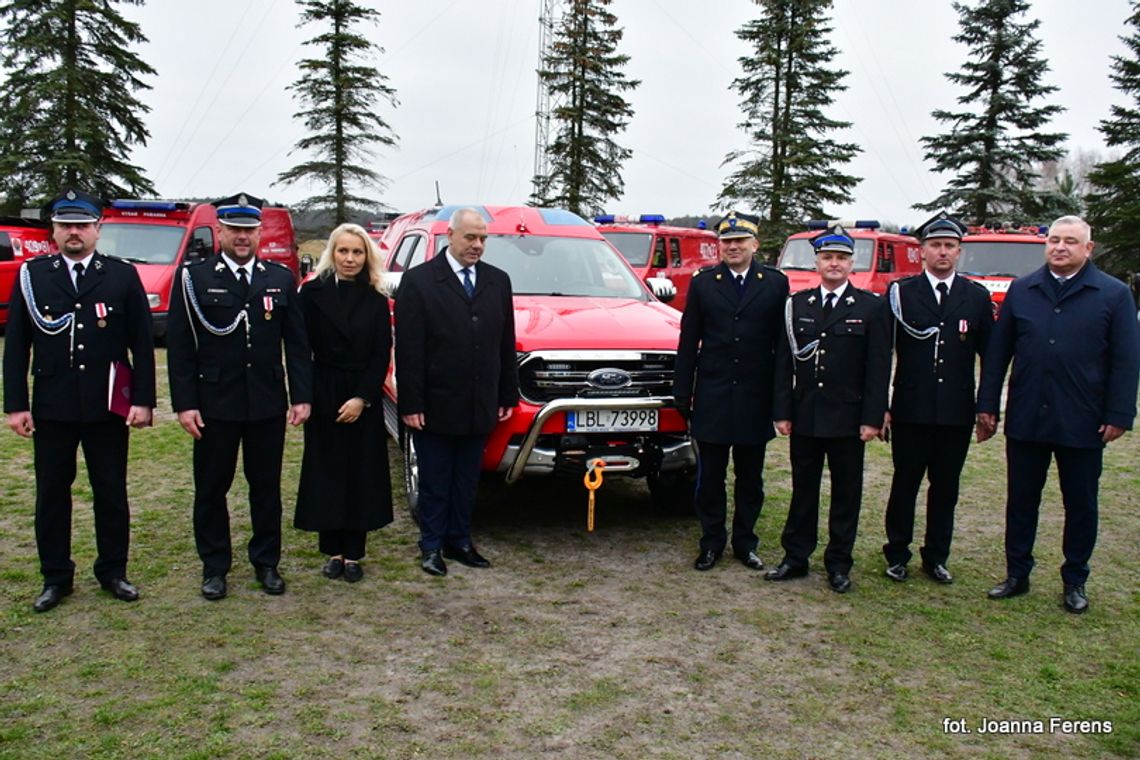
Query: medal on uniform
[
  {"x": 963, "y": 328},
  {"x": 267, "y": 302},
  {"x": 101, "y": 313}
]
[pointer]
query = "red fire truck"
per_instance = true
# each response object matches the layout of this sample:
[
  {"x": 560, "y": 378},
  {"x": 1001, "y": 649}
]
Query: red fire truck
[
  {"x": 880, "y": 257},
  {"x": 20, "y": 239},
  {"x": 995, "y": 257}
]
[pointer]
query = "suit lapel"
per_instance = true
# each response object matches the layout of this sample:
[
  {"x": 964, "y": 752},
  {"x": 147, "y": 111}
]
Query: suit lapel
[
  {"x": 327, "y": 299},
  {"x": 725, "y": 285},
  {"x": 925, "y": 298},
  {"x": 445, "y": 274},
  {"x": 955, "y": 299},
  {"x": 753, "y": 283},
  {"x": 225, "y": 279}
]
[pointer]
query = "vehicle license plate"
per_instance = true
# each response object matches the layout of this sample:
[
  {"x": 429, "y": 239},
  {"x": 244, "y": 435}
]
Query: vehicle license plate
[{"x": 610, "y": 420}]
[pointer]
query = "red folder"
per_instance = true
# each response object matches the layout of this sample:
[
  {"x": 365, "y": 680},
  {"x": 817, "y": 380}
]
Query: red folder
[{"x": 119, "y": 388}]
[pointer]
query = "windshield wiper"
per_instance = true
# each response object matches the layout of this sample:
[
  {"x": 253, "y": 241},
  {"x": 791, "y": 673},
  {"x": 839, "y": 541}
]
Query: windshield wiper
[
  {"x": 133, "y": 259},
  {"x": 798, "y": 269}
]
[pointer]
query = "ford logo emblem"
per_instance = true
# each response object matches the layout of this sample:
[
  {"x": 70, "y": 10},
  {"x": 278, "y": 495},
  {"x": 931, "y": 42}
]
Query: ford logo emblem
[{"x": 609, "y": 378}]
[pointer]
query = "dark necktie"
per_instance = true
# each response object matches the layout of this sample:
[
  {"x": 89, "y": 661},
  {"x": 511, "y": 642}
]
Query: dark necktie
[
  {"x": 78, "y": 269},
  {"x": 943, "y": 291},
  {"x": 468, "y": 285},
  {"x": 828, "y": 304},
  {"x": 1059, "y": 282},
  {"x": 739, "y": 284},
  {"x": 243, "y": 281}
]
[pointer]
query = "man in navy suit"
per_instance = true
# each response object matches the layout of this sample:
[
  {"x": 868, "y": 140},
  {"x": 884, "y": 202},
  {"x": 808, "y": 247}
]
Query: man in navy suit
[
  {"x": 458, "y": 377},
  {"x": 1070, "y": 331}
]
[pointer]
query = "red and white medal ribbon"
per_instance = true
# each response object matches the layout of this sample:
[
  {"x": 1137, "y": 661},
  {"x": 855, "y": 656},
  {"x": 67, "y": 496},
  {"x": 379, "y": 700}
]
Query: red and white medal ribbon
[
  {"x": 101, "y": 310},
  {"x": 267, "y": 302},
  {"x": 963, "y": 326}
]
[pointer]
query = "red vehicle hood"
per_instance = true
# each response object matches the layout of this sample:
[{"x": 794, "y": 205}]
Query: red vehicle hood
[
  {"x": 155, "y": 277},
  {"x": 557, "y": 322}
]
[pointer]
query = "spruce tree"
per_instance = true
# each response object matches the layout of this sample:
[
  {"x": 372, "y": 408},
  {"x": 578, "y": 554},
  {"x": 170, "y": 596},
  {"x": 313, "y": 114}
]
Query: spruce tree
[
  {"x": 69, "y": 114},
  {"x": 583, "y": 72},
  {"x": 793, "y": 165},
  {"x": 1114, "y": 203},
  {"x": 996, "y": 141},
  {"x": 339, "y": 91}
]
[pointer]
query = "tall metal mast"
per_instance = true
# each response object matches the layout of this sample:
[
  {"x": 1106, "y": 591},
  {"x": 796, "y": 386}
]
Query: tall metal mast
[{"x": 550, "y": 14}]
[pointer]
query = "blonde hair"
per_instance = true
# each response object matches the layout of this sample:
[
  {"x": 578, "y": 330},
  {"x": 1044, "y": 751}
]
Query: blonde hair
[{"x": 373, "y": 265}]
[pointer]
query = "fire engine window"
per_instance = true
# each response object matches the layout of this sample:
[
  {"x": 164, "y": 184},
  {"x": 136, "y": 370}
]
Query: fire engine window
[
  {"x": 401, "y": 255},
  {"x": 675, "y": 251},
  {"x": 203, "y": 241},
  {"x": 659, "y": 254},
  {"x": 6, "y": 253},
  {"x": 419, "y": 250}
]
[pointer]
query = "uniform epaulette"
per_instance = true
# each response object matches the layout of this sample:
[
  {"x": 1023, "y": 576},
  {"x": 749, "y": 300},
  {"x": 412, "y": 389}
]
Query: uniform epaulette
[
  {"x": 116, "y": 260},
  {"x": 194, "y": 262},
  {"x": 41, "y": 257},
  {"x": 708, "y": 268},
  {"x": 277, "y": 264},
  {"x": 908, "y": 278}
]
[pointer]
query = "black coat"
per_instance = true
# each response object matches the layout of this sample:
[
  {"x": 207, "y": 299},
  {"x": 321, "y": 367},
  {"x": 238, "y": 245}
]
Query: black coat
[
  {"x": 345, "y": 484},
  {"x": 455, "y": 357},
  {"x": 844, "y": 385},
  {"x": 732, "y": 356},
  {"x": 71, "y": 374},
  {"x": 235, "y": 377},
  {"x": 942, "y": 394}
]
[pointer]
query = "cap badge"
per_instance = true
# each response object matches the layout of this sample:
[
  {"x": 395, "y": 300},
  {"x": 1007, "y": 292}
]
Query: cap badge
[{"x": 71, "y": 195}]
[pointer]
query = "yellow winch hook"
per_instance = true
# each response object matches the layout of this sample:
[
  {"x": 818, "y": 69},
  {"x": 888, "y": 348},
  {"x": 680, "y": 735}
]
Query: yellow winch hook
[{"x": 593, "y": 481}]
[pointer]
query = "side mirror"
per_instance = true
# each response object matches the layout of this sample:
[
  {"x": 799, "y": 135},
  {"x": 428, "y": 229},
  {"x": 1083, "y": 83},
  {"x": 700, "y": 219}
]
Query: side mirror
[
  {"x": 662, "y": 287},
  {"x": 306, "y": 265},
  {"x": 390, "y": 283},
  {"x": 197, "y": 250}
]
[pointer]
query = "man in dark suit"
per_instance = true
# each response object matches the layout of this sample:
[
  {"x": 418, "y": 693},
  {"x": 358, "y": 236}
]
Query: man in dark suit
[
  {"x": 841, "y": 345},
  {"x": 457, "y": 374},
  {"x": 733, "y": 378},
  {"x": 1070, "y": 331},
  {"x": 77, "y": 314},
  {"x": 942, "y": 321},
  {"x": 230, "y": 315}
]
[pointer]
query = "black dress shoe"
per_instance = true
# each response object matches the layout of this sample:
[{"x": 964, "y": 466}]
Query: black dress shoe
[
  {"x": 466, "y": 555},
  {"x": 840, "y": 582},
  {"x": 214, "y": 587},
  {"x": 784, "y": 571},
  {"x": 432, "y": 563},
  {"x": 353, "y": 572},
  {"x": 121, "y": 589},
  {"x": 750, "y": 560},
  {"x": 706, "y": 559},
  {"x": 938, "y": 573},
  {"x": 50, "y": 597},
  {"x": 897, "y": 573},
  {"x": 1009, "y": 587},
  {"x": 334, "y": 568},
  {"x": 271, "y": 581},
  {"x": 1076, "y": 601}
]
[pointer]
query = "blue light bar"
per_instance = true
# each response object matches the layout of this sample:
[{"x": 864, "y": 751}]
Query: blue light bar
[
  {"x": 702, "y": 225},
  {"x": 145, "y": 205},
  {"x": 604, "y": 219},
  {"x": 858, "y": 224},
  {"x": 652, "y": 218}
]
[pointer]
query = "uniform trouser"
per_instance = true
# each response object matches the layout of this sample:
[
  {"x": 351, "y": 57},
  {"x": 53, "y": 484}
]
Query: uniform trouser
[
  {"x": 215, "y": 461},
  {"x": 105, "y": 450},
  {"x": 346, "y": 543},
  {"x": 449, "y": 478},
  {"x": 1078, "y": 470},
  {"x": 937, "y": 452},
  {"x": 712, "y": 496},
  {"x": 800, "y": 536}
]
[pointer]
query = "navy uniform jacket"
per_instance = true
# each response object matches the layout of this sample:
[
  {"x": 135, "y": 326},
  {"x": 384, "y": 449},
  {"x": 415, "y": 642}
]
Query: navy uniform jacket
[
  {"x": 845, "y": 384},
  {"x": 1076, "y": 359},
  {"x": 237, "y": 376},
  {"x": 732, "y": 357},
  {"x": 71, "y": 368},
  {"x": 942, "y": 393},
  {"x": 455, "y": 356}
]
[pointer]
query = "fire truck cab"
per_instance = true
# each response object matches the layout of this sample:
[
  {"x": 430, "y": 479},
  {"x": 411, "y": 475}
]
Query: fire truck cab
[
  {"x": 880, "y": 257},
  {"x": 20, "y": 240},
  {"x": 995, "y": 257}
]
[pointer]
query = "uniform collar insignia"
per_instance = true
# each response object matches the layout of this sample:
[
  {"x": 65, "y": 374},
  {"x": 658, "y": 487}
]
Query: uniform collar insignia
[
  {"x": 55, "y": 264},
  {"x": 759, "y": 275},
  {"x": 98, "y": 264},
  {"x": 219, "y": 266},
  {"x": 850, "y": 300},
  {"x": 811, "y": 299},
  {"x": 260, "y": 267}
]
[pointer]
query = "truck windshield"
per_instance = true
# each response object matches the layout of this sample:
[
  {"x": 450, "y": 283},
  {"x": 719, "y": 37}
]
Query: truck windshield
[
  {"x": 141, "y": 243},
  {"x": 798, "y": 254},
  {"x": 634, "y": 246},
  {"x": 1000, "y": 259},
  {"x": 560, "y": 266}
]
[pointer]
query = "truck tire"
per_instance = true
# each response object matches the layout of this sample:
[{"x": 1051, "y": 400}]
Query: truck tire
[
  {"x": 673, "y": 492},
  {"x": 411, "y": 475}
]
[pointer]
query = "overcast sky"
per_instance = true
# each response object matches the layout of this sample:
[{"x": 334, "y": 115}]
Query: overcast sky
[{"x": 221, "y": 118}]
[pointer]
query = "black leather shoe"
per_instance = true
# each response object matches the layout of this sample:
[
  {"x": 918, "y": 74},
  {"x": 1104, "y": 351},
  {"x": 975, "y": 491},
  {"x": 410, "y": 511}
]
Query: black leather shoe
[
  {"x": 706, "y": 559},
  {"x": 353, "y": 572},
  {"x": 121, "y": 589},
  {"x": 271, "y": 581},
  {"x": 897, "y": 573},
  {"x": 840, "y": 582},
  {"x": 333, "y": 569},
  {"x": 784, "y": 571},
  {"x": 1009, "y": 587},
  {"x": 214, "y": 587},
  {"x": 466, "y": 555},
  {"x": 1076, "y": 601},
  {"x": 50, "y": 597},
  {"x": 432, "y": 563},
  {"x": 938, "y": 573},
  {"x": 751, "y": 560}
]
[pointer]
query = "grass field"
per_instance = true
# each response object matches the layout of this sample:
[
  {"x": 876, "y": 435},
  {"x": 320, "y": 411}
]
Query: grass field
[{"x": 573, "y": 645}]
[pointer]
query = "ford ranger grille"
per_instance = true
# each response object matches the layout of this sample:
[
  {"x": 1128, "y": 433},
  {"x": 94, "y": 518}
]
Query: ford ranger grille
[{"x": 548, "y": 375}]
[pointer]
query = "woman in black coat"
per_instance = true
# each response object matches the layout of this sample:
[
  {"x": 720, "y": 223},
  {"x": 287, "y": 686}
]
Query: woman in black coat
[{"x": 345, "y": 490}]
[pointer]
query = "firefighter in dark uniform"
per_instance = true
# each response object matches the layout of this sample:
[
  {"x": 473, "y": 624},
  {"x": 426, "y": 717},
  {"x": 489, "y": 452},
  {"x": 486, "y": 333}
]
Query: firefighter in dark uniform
[
  {"x": 733, "y": 377},
  {"x": 77, "y": 314},
  {"x": 942, "y": 323},
  {"x": 230, "y": 315},
  {"x": 840, "y": 340}
]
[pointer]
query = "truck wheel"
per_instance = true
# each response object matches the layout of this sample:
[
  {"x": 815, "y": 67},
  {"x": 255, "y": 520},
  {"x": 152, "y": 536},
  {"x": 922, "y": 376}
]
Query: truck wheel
[
  {"x": 673, "y": 492},
  {"x": 411, "y": 476}
]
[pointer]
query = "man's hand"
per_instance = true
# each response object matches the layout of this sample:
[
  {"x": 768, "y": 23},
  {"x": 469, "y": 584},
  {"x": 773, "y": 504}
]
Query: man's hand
[
  {"x": 414, "y": 421},
  {"x": 1108, "y": 433},
  {"x": 21, "y": 424},
  {"x": 985, "y": 427},
  {"x": 866, "y": 433},
  {"x": 784, "y": 427},
  {"x": 140, "y": 416},
  {"x": 885, "y": 430},
  {"x": 298, "y": 413},
  {"x": 350, "y": 410},
  {"x": 505, "y": 412},
  {"x": 191, "y": 422}
]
